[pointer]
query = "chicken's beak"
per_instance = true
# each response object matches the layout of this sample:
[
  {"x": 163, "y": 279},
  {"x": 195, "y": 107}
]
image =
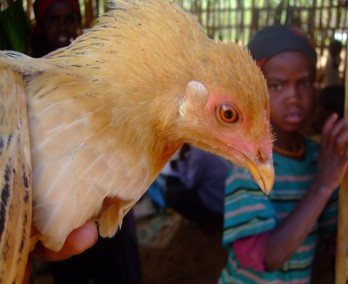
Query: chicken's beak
[{"x": 263, "y": 173}]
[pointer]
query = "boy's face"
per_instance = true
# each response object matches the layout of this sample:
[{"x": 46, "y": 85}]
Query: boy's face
[
  {"x": 61, "y": 24},
  {"x": 290, "y": 80}
]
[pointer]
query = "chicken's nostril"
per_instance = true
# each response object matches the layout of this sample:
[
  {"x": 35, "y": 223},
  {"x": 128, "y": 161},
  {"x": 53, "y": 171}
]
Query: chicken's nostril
[{"x": 260, "y": 156}]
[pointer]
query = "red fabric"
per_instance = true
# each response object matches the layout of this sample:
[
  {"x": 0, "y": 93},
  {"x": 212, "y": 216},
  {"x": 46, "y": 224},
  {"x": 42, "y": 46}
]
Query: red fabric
[
  {"x": 250, "y": 252},
  {"x": 43, "y": 5},
  {"x": 261, "y": 62}
]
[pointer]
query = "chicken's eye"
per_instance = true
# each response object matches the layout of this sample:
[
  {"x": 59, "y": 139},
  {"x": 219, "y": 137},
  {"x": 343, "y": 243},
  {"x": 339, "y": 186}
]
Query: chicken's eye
[{"x": 227, "y": 113}]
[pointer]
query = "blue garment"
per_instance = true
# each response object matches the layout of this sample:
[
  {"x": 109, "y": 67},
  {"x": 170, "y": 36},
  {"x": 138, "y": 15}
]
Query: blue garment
[
  {"x": 156, "y": 192},
  {"x": 206, "y": 174}
]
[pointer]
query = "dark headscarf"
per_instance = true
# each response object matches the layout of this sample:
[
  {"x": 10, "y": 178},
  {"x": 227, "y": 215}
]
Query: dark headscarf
[{"x": 272, "y": 40}]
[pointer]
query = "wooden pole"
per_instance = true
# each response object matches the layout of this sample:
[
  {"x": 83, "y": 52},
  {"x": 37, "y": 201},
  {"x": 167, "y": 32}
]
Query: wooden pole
[
  {"x": 342, "y": 234},
  {"x": 89, "y": 15}
]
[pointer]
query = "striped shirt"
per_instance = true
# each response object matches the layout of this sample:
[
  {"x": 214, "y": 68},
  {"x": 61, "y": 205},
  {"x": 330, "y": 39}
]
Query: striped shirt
[{"x": 248, "y": 211}]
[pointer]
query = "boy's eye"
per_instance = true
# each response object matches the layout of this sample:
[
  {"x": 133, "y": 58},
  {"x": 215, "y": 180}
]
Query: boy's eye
[
  {"x": 307, "y": 83},
  {"x": 53, "y": 20},
  {"x": 275, "y": 87},
  {"x": 70, "y": 19}
]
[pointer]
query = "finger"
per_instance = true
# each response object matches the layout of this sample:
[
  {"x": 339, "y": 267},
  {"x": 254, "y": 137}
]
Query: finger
[
  {"x": 339, "y": 127},
  {"x": 341, "y": 142},
  {"x": 78, "y": 241},
  {"x": 339, "y": 136},
  {"x": 81, "y": 239},
  {"x": 327, "y": 129},
  {"x": 329, "y": 124}
]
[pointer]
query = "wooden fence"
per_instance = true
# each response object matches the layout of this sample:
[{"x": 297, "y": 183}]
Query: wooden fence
[{"x": 237, "y": 20}]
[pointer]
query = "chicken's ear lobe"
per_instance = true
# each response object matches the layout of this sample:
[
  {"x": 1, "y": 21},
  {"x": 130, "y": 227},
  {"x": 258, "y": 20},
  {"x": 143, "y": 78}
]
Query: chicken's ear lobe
[
  {"x": 197, "y": 91},
  {"x": 195, "y": 94}
]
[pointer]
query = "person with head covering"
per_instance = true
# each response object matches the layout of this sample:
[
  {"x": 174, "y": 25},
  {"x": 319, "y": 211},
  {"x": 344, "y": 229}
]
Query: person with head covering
[
  {"x": 329, "y": 100},
  {"x": 58, "y": 22},
  {"x": 272, "y": 239},
  {"x": 331, "y": 76}
]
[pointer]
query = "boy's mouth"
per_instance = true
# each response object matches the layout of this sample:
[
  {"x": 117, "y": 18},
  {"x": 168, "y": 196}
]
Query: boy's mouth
[
  {"x": 64, "y": 40},
  {"x": 294, "y": 116}
]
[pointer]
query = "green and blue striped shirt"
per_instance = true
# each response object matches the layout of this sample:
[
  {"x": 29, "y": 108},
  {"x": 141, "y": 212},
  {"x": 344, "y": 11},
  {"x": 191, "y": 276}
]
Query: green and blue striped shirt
[{"x": 248, "y": 212}]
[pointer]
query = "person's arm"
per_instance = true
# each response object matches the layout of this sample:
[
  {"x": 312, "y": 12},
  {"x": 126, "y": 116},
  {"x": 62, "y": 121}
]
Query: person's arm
[
  {"x": 287, "y": 237},
  {"x": 332, "y": 165}
]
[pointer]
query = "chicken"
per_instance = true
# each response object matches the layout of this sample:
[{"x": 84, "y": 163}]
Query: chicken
[{"x": 106, "y": 113}]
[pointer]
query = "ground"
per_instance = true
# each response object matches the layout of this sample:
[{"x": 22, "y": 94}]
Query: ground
[
  {"x": 190, "y": 255},
  {"x": 176, "y": 251}
]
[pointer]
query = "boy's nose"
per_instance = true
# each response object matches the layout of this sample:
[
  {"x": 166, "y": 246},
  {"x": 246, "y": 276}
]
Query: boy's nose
[
  {"x": 63, "y": 24},
  {"x": 293, "y": 94}
]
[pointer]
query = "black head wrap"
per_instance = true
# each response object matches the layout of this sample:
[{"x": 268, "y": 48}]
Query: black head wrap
[{"x": 272, "y": 40}]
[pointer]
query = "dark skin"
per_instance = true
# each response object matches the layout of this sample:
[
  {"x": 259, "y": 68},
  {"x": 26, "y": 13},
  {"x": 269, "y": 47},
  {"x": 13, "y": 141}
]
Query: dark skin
[
  {"x": 61, "y": 24},
  {"x": 290, "y": 78},
  {"x": 77, "y": 242}
]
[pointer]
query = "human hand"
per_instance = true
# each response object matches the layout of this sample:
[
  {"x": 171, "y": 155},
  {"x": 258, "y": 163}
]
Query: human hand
[
  {"x": 333, "y": 158},
  {"x": 77, "y": 242}
]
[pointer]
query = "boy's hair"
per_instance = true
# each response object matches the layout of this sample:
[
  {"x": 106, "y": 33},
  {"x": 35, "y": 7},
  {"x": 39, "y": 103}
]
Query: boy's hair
[{"x": 272, "y": 40}]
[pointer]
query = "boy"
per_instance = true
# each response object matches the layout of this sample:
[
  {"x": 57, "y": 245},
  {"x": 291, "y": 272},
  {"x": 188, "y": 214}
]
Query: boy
[{"x": 272, "y": 239}]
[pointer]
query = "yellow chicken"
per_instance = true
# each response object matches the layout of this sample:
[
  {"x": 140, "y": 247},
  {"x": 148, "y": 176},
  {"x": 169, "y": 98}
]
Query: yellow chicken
[{"x": 106, "y": 113}]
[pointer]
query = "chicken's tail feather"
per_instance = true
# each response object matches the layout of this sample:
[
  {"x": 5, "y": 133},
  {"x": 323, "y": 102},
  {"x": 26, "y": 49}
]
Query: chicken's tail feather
[{"x": 111, "y": 218}]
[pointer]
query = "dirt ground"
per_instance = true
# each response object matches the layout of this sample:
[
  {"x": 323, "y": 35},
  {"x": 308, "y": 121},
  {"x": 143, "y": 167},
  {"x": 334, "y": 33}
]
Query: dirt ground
[
  {"x": 194, "y": 255},
  {"x": 172, "y": 251},
  {"x": 191, "y": 255},
  {"x": 176, "y": 251}
]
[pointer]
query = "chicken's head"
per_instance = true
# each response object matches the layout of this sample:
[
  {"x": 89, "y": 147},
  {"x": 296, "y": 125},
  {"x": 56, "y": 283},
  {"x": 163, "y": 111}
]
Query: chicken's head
[{"x": 230, "y": 117}]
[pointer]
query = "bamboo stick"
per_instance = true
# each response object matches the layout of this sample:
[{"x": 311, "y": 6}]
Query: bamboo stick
[
  {"x": 89, "y": 14},
  {"x": 342, "y": 234}
]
